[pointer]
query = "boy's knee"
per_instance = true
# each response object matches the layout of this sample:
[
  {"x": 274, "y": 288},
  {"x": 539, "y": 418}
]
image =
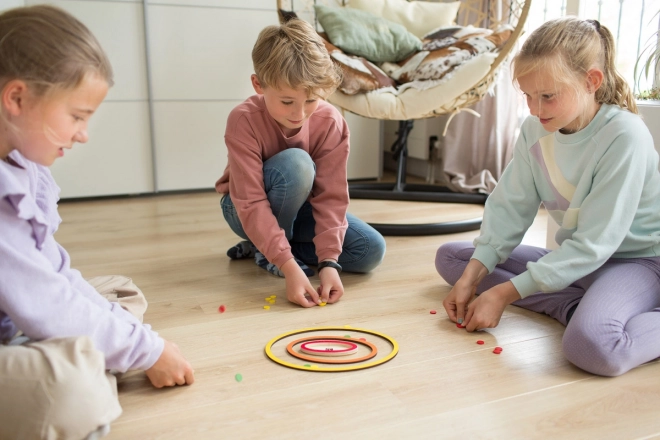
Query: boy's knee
[
  {"x": 300, "y": 160},
  {"x": 586, "y": 349},
  {"x": 376, "y": 253},
  {"x": 299, "y": 166},
  {"x": 73, "y": 395}
]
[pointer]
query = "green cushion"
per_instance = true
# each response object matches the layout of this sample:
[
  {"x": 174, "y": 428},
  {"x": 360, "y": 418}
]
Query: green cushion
[{"x": 364, "y": 34}]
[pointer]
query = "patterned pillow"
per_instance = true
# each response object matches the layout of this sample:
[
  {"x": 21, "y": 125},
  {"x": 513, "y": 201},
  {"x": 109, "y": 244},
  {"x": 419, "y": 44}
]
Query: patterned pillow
[
  {"x": 443, "y": 51},
  {"x": 359, "y": 74}
]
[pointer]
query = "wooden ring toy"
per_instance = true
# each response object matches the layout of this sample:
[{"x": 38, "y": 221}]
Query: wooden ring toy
[
  {"x": 329, "y": 347},
  {"x": 292, "y": 352},
  {"x": 361, "y": 366}
]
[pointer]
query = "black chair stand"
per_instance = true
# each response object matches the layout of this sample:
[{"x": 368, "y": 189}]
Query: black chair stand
[{"x": 400, "y": 190}]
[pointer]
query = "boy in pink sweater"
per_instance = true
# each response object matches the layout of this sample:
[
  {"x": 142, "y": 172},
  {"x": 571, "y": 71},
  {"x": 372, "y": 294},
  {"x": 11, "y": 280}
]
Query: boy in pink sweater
[{"x": 284, "y": 188}]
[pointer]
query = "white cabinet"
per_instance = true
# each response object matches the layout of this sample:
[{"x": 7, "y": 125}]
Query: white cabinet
[
  {"x": 117, "y": 158},
  {"x": 200, "y": 70}
]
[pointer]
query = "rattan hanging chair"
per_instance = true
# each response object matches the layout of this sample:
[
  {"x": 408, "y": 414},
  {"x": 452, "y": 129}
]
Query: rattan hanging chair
[{"x": 445, "y": 99}]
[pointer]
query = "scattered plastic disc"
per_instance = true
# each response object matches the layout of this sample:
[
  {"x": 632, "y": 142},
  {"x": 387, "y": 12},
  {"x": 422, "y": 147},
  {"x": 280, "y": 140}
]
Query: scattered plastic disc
[
  {"x": 238, "y": 377},
  {"x": 480, "y": 342},
  {"x": 222, "y": 309},
  {"x": 266, "y": 307},
  {"x": 433, "y": 312}
]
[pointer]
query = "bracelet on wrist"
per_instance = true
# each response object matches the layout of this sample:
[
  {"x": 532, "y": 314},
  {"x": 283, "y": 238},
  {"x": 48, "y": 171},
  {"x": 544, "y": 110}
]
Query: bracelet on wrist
[{"x": 323, "y": 264}]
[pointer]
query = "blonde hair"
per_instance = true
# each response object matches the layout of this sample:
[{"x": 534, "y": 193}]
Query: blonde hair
[
  {"x": 49, "y": 49},
  {"x": 568, "y": 48},
  {"x": 293, "y": 55}
]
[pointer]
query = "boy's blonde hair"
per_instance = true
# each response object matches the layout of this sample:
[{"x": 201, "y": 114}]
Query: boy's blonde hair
[
  {"x": 568, "y": 48},
  {"x": 293, "y": 55},
  {"x": 49, "y": 49}
]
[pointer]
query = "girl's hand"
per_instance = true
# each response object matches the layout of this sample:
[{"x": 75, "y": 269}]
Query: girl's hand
[
  {"x": 171, "y": 368},
  {"x": 456, "y": 303},
  {"x": 331, "y": 288},
  {"x": 298, "y": 288},
  {"x": 486, "y": 310}
]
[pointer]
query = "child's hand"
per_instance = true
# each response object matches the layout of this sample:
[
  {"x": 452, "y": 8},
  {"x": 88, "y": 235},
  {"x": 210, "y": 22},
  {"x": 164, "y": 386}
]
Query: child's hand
[
  {"x": 331, "y": 288},
  {"x": 298, "y": 288},
  {"x": 456, "y": 303},
  {"x": 486, "y": 310},
  {"x": 171, "y": 368}
]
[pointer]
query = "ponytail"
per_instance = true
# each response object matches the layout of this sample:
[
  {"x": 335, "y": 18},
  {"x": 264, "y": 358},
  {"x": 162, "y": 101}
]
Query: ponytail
[{"x": 615, "y": 89}]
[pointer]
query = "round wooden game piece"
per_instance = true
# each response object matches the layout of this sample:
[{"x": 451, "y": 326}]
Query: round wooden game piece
[
  {"x": 326, "y": 347},
  {"x": 327, "y": 360}
]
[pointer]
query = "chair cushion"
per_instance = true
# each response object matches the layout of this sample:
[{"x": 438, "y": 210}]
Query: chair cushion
[
  {"x": 414, "y": 103},
  {"x": 364, "y": 34},
  {"x": 419, "y": 17}
]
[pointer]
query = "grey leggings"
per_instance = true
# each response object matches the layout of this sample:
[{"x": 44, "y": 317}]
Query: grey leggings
[{"x": 617, "y": 324}]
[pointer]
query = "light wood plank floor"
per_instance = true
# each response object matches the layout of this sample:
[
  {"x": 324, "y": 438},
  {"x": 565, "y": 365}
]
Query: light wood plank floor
[{"x": 440, "y": 385}]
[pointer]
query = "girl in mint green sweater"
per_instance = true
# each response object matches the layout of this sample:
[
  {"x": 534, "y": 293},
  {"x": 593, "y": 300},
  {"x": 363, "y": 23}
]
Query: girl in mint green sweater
[{"x": 586, "y": 155}]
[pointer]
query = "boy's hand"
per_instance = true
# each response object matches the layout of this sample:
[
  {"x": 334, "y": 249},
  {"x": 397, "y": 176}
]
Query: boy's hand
[
  {"x": 486, "y": 310},
  {"x": 331, "y": 288},
  {"x": 171, "y": 368},
  {"x": 298, "y": 288}
]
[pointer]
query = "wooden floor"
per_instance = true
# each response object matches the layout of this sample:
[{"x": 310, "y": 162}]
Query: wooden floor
[{"x": 440, "y": 385}]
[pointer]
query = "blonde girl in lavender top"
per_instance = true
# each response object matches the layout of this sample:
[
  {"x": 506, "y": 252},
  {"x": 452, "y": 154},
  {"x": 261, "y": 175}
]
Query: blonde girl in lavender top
[{"x": 58, "y": 332}]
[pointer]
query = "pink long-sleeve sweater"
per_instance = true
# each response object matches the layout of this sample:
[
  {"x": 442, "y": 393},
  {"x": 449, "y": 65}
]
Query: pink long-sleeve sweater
[{"x": 252, "y": 137}]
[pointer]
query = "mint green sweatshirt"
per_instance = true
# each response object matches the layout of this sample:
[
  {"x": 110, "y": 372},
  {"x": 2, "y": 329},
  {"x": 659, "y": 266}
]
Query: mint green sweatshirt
[{"x": 601, "y": 185}]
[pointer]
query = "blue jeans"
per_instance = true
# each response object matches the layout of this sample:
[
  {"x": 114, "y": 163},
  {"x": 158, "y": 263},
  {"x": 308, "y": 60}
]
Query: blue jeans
[{"x": 288, "y": 179}]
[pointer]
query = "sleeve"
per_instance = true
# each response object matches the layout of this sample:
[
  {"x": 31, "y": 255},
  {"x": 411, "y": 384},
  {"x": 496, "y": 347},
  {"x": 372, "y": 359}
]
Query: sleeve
[
  {"x": 248, "y": 193},
  {"x": 45, "y": 304},
  {"x": 330, "y": 192},
  {"x": 509, "y": 211},
  {"x": 604, "y": 219}
]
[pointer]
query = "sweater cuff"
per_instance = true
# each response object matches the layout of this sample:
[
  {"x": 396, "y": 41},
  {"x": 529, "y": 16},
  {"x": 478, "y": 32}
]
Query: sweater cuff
[
  {"x": 487, "y": 256},
  {"x": 525, "y": 284},
  {"x": 159, "y": 346},
  {"x": 282, "y": 258},
  {"x": 328, "y": 254}
]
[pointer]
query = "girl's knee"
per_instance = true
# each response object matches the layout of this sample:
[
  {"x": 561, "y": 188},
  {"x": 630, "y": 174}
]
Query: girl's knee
[
  {"x": 79, "y": 376},
  {"x": 587, "y": 349},
  {"x": 446, "y": 259}
]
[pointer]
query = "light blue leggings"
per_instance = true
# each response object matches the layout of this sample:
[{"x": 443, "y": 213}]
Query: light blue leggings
[{"x": 616, "y": 326}]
